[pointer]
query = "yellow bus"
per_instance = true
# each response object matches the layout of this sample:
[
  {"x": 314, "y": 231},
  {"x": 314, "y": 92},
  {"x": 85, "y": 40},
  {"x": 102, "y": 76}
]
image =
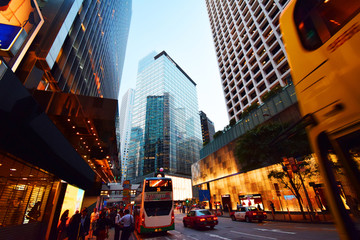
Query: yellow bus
[{"x": 322, "y": 41}]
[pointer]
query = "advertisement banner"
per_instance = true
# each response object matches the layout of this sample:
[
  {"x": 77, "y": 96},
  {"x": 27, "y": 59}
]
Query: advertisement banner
[{"x": 204, "y": 195}]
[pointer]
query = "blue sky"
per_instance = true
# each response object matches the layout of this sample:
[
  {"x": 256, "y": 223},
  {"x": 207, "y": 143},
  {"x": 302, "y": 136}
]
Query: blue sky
[{"x": 182, "y": 29}]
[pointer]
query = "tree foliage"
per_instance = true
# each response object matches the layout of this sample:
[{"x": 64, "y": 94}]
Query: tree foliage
[
  {"x": 258, "y": 148},
  {"x": 218, "y": 133}
]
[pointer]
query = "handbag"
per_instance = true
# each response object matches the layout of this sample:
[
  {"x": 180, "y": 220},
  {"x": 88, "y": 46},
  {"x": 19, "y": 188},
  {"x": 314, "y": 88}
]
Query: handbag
[{"x": 132, "y": 225}]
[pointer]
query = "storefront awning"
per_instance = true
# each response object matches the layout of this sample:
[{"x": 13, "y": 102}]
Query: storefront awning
[{"x": 29, "y": 134}]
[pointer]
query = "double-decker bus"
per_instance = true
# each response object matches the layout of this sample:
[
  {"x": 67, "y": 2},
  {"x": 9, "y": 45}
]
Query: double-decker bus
[
  {"x": 154, "y": 208},
  {"x": 322, "y": 41}
]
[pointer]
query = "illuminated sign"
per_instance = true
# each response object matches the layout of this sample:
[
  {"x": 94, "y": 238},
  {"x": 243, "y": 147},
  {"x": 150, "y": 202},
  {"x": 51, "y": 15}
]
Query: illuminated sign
[
  {"x": 8, "y": 36},
  {"x": 72, "y": 200},
  {"x": 20, "y": 22},
  {"x": 289, "y": 197},
  {"x": 158, "y": 196}
]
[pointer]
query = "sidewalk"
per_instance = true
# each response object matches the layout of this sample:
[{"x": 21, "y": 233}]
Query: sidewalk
[
  {"x": 111, "y": 235},
  {"x": 294, "y": 217}
]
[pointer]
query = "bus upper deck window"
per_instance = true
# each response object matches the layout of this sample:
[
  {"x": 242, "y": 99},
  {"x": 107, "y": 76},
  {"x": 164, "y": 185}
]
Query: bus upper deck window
[{"x": 318, "y": 20}]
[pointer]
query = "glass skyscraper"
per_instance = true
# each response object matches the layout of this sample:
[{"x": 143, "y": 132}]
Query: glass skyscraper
[
  {"x": 166, "y": 130},
  {"x": 80, "y": 49},
  {"x": 126, "y": 110}
]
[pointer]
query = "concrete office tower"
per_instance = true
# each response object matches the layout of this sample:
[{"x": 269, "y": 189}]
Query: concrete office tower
[
  {"x": 207, "y": 128},
  {"x": 166, "y": 129},
  {"x": 126, "y": 111},
  {"x": 80, "y": 48},
  {"x": 250, "y": 53}
]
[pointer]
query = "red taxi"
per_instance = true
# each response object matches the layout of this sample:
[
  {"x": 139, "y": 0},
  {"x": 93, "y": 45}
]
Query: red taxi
[
  {"x": 200, "y": 218},
  {"x": 248, "y": 214}
]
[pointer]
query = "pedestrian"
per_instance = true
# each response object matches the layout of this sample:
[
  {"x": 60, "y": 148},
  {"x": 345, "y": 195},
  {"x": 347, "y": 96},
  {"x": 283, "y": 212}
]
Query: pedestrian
[
  {"x": 272, "y": 207},
  {"x": 238, "y": 206},
  {"x": 34, "y": 213},
  {"x": 112, "y": 216},
  {"x": 183, "y": 208},
  {"x": 85, "y": 224},
  {"x": 128, "y": 225},
  {"x": 227, "y": 208},
  {"x": 93, "y": 218},
  {"x": 118, "y": 226},
  {"x": 62, "y": 225},
  {"x": 101, "y": 228},
  {"x": 74, "y": 226}
]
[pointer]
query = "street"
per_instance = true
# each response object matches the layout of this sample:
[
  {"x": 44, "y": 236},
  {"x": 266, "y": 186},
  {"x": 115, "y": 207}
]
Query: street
[{"x": 228, "y": 229}]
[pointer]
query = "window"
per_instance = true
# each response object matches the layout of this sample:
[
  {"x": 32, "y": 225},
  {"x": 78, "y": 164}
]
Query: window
[
  {"x": 158, "y": 208},
  {"x": 203, "y": 212},
  {"x": 319, "y": 20}
]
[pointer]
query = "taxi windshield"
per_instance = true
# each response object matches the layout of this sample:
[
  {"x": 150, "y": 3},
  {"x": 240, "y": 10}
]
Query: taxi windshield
[{"x": 203, "y": 212}]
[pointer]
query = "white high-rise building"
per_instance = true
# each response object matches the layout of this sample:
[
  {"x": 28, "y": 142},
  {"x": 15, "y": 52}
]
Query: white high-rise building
[
  {"x": 250, "y": 52},
  {"x": 125, "y": 129}
]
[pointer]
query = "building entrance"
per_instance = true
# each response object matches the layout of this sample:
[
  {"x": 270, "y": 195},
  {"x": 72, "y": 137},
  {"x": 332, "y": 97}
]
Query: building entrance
[{"x": 226, "y": 202}]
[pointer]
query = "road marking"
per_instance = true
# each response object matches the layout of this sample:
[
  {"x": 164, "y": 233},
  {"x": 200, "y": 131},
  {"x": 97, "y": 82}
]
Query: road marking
[
  {"x": 274, "y": 230},
  {"x": 217, "y": 236},
  {"x": 192, "y": 237},
  {"x": 258, "y": 236}
]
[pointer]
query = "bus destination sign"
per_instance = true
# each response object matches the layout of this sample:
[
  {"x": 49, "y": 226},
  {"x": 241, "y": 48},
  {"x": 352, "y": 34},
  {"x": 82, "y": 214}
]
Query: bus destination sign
[{"x": 158, "y": 196}]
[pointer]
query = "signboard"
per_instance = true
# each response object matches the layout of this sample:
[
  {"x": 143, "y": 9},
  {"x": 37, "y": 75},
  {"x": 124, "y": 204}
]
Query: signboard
[
  {"x": 8, "y": 35},
  {"x": 157, "y": 196},
  {"x": 20, "y": 22},
  {"x": 126, "y": 191},
  {"x": 204, "y": 195},
  {"x": 289, "y": 197},
  {"x": 72, "y": 200},
  {"x": 126, "y": 184}
]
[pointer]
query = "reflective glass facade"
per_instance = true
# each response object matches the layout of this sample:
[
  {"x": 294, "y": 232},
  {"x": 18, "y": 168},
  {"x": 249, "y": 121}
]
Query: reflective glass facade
[
  {"x": 81, "y": 50},
  {"x": 166, "y": 130}
]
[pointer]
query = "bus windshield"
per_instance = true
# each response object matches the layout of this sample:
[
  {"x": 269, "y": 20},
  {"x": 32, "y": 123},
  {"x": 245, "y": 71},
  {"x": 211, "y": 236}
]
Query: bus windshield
[
  {"x": 158, "y": 185},
  {"x": 158, "y": 208},
  {"x": 318, "y": 20}
]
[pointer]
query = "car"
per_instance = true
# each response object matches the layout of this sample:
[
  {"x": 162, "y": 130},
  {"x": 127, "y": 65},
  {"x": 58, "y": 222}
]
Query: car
[
  {"x": 248, "y": 214},
  {"x": 198, "y": 218}
]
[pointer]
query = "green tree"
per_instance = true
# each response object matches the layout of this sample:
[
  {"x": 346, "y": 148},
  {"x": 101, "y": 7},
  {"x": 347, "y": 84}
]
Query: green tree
[
  {"x": 218, "y": 133},
  {"x": 262, "y": 145},
  {"x": 232, "y": 122}
]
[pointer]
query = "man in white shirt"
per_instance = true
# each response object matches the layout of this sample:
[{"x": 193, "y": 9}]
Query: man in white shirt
[
  {"x": 126, "y": 220},
  {"x": 93, "y": 218}
]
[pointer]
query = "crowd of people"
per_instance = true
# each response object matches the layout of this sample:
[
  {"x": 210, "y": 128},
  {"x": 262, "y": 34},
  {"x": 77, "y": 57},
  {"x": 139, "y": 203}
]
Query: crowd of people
[{"x": 96, "y": 225}]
